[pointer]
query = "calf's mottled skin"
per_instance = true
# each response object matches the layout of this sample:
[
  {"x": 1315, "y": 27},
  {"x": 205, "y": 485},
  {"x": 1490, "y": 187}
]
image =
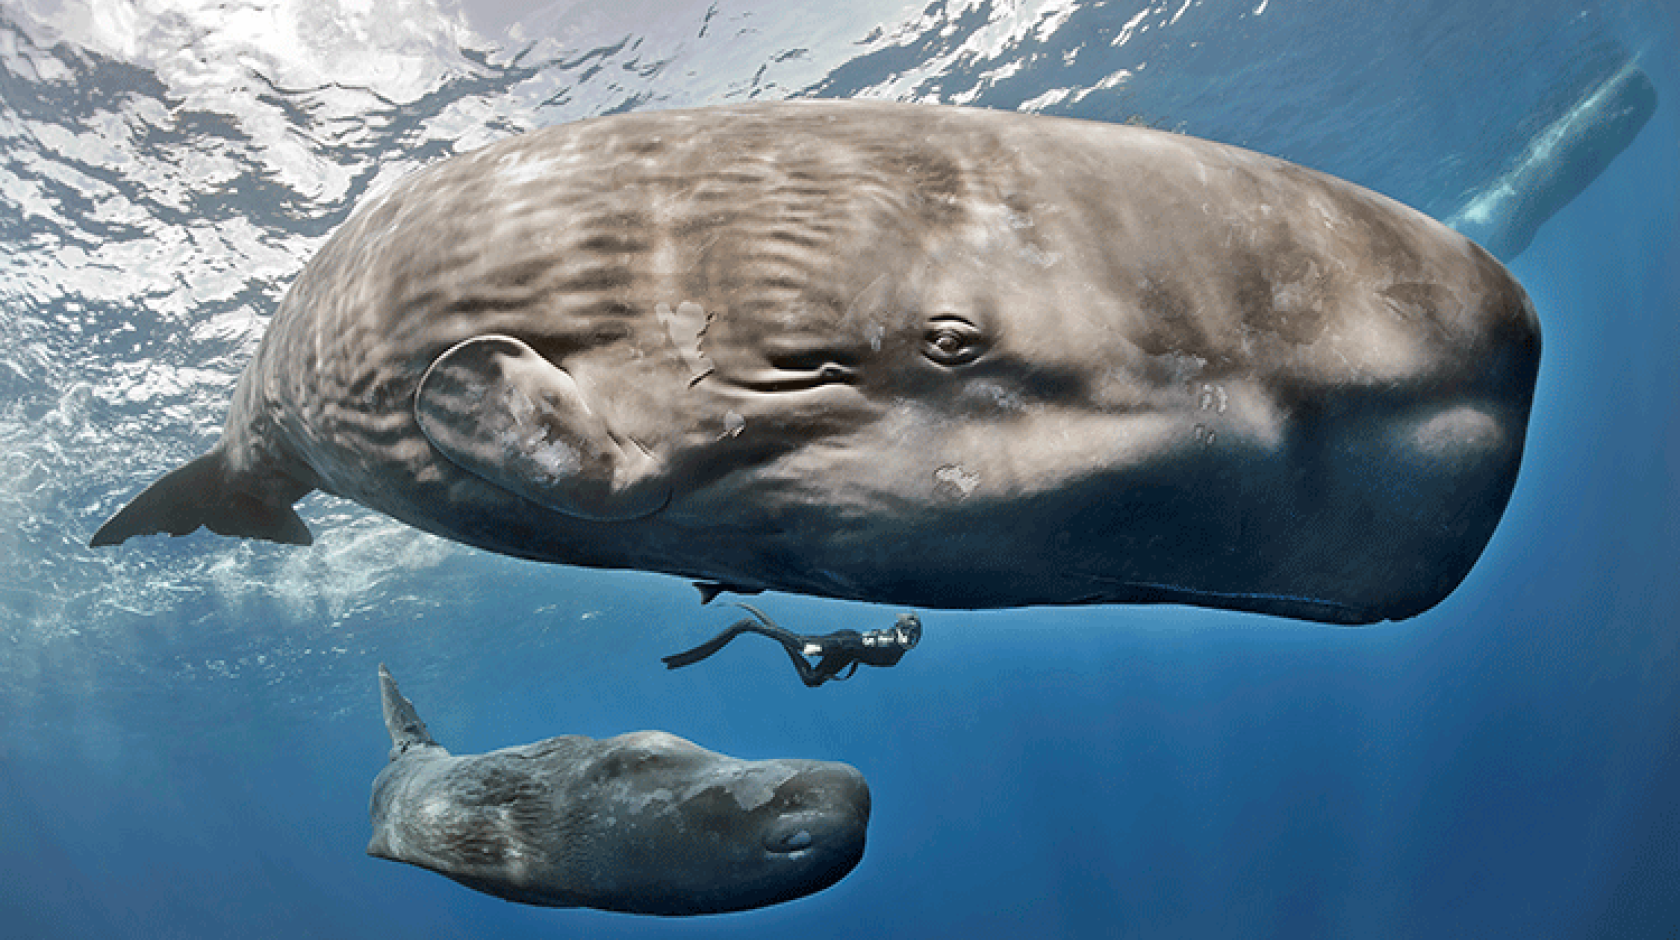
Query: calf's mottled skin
[{"x": 643, "y": 823}]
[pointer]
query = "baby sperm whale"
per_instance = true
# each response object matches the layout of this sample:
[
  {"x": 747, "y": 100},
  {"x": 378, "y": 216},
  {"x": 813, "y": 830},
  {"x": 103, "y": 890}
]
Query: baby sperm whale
[{"x": 642, "y": 823}]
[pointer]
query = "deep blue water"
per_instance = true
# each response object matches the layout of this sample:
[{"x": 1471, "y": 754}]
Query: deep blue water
[{"x": 189, "y": 727}]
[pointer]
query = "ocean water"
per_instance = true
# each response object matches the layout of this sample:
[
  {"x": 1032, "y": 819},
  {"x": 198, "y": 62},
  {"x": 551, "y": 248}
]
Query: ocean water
[{"x": 189, "y": 727}]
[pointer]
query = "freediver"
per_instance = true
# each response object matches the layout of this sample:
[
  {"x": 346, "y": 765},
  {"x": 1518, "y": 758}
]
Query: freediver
[{"x": 837, "y": 651}]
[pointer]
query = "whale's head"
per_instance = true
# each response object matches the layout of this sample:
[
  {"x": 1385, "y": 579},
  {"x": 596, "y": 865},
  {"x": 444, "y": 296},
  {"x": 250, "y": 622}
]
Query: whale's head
[
  {"x": 966, "y": 361},
  {"x": 696, "y": 832}
]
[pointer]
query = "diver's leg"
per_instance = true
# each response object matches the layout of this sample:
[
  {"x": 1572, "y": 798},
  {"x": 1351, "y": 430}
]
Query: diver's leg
[
  {"x": 830, "y": 667},
  {"x": 812, "y": 677},
  {"x": 792, "y": 643},
  {"x": 771, "y": 629},
  {"x": 797, "y": 646}
]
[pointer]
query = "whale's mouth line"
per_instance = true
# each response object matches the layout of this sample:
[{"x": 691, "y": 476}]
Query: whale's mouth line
[
  {"x": 793, "y": 844},
  {"x": 1172, "y": 592},
  {"x": 789, "y": 381},
  {"x": 811, "y": 832}
]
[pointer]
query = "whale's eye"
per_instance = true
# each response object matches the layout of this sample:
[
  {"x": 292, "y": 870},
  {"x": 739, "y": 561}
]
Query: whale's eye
[
  {"x": 952, "y": 341},
  {"x": 789, "y": 841}
]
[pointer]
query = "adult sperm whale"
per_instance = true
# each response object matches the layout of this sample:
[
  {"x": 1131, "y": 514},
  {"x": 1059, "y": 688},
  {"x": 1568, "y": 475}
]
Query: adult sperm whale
[
  {"x": 926, "y": 356},
  {"x": 643, "y": 823}
]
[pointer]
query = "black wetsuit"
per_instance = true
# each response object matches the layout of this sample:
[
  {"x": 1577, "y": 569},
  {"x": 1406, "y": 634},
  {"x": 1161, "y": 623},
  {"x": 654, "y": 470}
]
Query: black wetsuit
[{"x": 842, "y": 650}]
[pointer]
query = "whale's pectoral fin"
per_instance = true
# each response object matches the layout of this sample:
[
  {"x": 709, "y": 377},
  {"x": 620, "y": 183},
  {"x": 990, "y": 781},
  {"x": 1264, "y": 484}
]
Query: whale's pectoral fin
[
  {"x": 709, "y": 590},
  {"x": 497, "y": 408},
  {"x": 200, "y": 494}
]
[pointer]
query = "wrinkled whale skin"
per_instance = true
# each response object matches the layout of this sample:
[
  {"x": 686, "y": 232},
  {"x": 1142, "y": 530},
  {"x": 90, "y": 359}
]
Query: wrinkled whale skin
[
  {"x": 640, "y": 823},
  {"x": 917, "y": 355}
]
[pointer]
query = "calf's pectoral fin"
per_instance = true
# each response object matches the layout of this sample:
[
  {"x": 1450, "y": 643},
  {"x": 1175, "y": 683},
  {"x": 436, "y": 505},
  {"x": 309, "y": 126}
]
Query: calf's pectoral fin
[
  {"x": 200, "y": 494},
  {"x": 496, "y": 408}
]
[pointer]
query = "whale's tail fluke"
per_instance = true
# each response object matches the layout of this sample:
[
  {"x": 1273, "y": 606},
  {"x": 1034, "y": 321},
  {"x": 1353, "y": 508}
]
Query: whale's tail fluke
[
  {"x": 199, "y": 495},
  {"x": 1558, "y": 164},
  {"x": 401, "y": 720}
]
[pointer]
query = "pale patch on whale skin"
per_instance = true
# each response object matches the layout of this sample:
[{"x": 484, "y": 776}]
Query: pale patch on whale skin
[
  {"x": 642, "y": 823},
  {"x": 926, "y": 356}
]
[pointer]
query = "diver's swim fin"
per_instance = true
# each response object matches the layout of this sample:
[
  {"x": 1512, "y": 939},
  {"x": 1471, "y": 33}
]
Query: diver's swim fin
[
  {"x": 689, "y": 658},
  {"x": 791, "y": 642}
]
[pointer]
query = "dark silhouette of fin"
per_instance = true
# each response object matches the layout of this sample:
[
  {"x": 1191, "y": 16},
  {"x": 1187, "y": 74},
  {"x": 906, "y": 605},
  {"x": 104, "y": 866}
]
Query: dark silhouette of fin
[
  {"x": 764, "y": 618},
  {"x": 197, "y": 495},
  {"x": 709, "y": 590},
  {"x": 689, "y": 658},
  {"x": 792, "y": 642}
]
